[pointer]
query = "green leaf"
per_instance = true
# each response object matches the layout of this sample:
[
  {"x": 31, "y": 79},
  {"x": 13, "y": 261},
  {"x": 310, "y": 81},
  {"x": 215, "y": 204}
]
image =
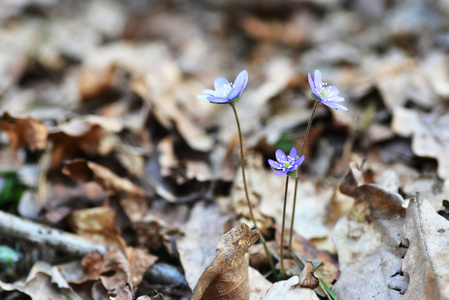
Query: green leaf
[
  {"x": 314, "y": 97},
  {"x": 328, "y": 289},
  {"x": 9, "y": 256},
  {"x": 11, "y": 187},
  {"x": 293, "y": 174}
]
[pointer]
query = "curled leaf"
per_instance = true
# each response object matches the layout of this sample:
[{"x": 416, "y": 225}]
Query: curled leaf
[{"x": 227, "y": 275}]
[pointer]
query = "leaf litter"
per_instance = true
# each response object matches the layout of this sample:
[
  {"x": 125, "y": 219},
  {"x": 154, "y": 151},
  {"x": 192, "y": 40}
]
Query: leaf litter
[{"x": 107, "y": 146}]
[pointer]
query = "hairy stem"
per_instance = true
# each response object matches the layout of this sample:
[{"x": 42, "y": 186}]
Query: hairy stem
[
  {"x": 270, "y": 260},
  {"x": 297, "y": 178},
  {"x": 283, "y": 227}
]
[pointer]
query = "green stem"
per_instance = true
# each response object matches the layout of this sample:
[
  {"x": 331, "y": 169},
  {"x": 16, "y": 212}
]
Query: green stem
[
  {"x": 283, "y": 228},
  {"x": 270, "y": 260},
  {"x": 297, "y": 178}
]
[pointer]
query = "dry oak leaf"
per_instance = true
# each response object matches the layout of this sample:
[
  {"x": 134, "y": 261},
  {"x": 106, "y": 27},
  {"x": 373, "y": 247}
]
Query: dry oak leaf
[
  {"x": 227, "y": 275},
  {"x": 82, "y": 171},
  {"x": 24, "y": 132},
  {"x": 427, "y": 259}
]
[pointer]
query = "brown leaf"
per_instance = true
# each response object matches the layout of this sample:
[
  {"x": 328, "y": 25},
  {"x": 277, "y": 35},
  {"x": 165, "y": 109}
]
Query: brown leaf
[
  {"x": 368, "y": 241},
  {"x": 97, "y": 224},
  {"x": 40, "y": 284},
  {"x": 24, "y": 132},
  {"x": 307, "y": 279},
  {"x": 83, "y": 135},
  {"x": 85, "y": 171},
  {"x": 227, "y": 275},
  {"x": 328, "y": 270},
  {"x": 93, "y": 82},
  {"x": 427, "y": 259},
  {"x": 119, "y": 273}
]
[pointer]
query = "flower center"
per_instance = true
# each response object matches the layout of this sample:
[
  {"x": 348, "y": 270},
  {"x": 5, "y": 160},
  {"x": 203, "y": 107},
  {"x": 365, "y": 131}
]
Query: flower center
[
  {"x": 224, "y": 90},
  {"x": 287, "y": 164},
  {"x": 323, "y": 94}
]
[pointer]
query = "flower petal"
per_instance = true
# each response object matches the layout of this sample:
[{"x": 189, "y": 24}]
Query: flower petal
[
  {"x": 214, "y": 99},
  {"x": 219, "y": 82},
  {"x": 318, "y": 80},
  {"x": 203, "y": 97},
  {"x": 299, "y": 161},
  {"x": 239, "y": 85},
  {"x": 281, "y": 172},
  {"x": 331, "y": 90},
  {"x": 311, "y": 83},
  {"x": 210, "y": 92},
  {"x": 335, "y": 105},
  {"x": 280, "y": 156},
  {"x": 334, "y": 99},
  {"x": 293, "y": 153},
  {"x": 274, "y": 164}
]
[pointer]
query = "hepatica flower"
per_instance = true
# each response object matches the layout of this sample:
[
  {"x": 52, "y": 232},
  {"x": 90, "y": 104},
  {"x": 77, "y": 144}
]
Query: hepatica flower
[
  {"x": 327, "y": 94},
  {"x": 286, "y": 163},
  {"x": 226, "y": 92}
]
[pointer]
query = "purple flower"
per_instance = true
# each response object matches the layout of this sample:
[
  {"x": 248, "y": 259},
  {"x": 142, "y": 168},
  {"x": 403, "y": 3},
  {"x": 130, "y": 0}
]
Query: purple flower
[
  {"x": 225, "y": 91},
  {"x": 328, "y": 95},
  {"x": 286, "y": 164}
]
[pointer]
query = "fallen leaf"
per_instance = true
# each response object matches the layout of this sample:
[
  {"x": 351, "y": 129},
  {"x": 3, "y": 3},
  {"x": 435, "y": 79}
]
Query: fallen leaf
[
  {"x": 307, "y": 279},
  {"x": 369, "y": 241},
  {"x": 286, "y": 290},
  {"x": 328, "y": 267},
  {"x": 119, "y": 272},
  {"x": 258, "y": 284},
  {"x": 84, "y": 171},
  {"x": 97, "y": 224},
  {"x": 227, "y": 275},
  {"x": 43, "y": 282},
  {"x": 428, "y": 137},
  {"x": 427, "y": 259},
  {"x": 24, "y": 132},
  {"x": 201, "y": 233}
]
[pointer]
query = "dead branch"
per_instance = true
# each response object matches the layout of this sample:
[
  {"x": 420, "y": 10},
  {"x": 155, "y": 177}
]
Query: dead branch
[{"x": 17, "y": 227}]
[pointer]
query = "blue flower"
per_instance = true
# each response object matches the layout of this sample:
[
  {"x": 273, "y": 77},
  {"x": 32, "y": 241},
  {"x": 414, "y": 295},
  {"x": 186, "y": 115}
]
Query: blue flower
[
  {"x": 286, "y": 164},
  {"x": 328, "y": 95},
  {"x": 225, "y": 91}
]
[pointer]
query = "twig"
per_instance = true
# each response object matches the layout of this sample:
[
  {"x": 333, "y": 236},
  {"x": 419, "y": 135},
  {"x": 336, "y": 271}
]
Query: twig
[{"x": 14, "y": 226}]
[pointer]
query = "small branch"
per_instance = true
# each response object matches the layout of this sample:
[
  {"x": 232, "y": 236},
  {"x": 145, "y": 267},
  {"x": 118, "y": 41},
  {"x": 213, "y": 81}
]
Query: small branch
[{"x": 14, "y": 226}]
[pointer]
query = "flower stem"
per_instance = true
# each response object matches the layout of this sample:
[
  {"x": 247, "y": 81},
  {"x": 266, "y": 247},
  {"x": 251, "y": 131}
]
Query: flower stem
[
  {"x": 270, "y": 260},
  {"x": 283, "y": 228},
  {"x": 297, "y": 178}
]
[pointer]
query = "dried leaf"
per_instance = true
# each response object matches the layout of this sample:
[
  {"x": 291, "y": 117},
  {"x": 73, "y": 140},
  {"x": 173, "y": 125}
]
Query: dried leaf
[
  {"x": 97, "y": 224},
  {"x": 307, "y": 279},
  {"x": 368, "y": 241},
  {"x": 227, "y": 275},
  {"x": 196, "y": 247},
  {"x": 430, "y": 137},
  {"x": 40, "y": 284},
  {"x": 119, "y": 273},
  {"x": 24, "y": 132},
  {"x": 286, "y": 290},
  {"x": 84, "y": 171},
  {"x": 427, "y": 259}
]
